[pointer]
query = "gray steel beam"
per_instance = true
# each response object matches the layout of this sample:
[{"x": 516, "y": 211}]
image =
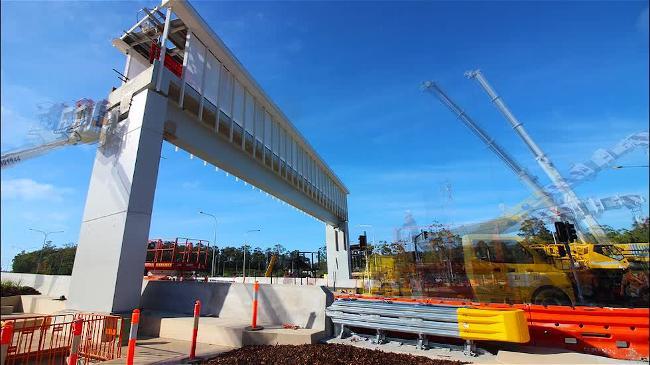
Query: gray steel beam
[{"x": 197, "y": 139}]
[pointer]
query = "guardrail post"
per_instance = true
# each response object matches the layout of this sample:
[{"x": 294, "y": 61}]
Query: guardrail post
[
  {"x": 470, "y": 348},
  {"x": 381, "y": 337},
  {"x": 254, "y": 326},
  {"x": 5, "y": 340},
  {"x": 340, "y": 329},
  {"x": 195, "y": 331},
  {"x": 423, "y": 342},
  {"x": 133, "y": 336},
  {"x": 77, "y": 327}
]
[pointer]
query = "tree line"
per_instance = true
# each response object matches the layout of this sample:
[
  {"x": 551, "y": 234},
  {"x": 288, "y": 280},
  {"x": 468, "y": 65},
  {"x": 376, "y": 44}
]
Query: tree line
[{"x": 51, "y": 260}]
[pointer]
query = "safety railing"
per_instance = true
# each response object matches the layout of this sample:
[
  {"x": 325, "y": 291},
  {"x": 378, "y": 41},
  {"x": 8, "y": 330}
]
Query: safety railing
[
  {"x": 182, "y": 254},
  {"x": 620, "y": 333},
  {"x": 48, "y": 339},
  {"x": 508, "y": 325}
]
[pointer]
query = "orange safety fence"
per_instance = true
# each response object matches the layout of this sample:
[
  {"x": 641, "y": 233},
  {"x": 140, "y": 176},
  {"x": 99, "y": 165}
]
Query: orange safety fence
[
  {"x": 48, "y": 339},
  {"x": 620, "y": 333}
]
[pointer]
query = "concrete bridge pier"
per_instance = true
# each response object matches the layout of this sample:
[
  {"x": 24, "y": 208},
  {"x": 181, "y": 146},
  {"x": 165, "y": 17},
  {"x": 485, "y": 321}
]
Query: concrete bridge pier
[
  {"x": 338, "y": 256},
  {"x": 109, "y": 264}
]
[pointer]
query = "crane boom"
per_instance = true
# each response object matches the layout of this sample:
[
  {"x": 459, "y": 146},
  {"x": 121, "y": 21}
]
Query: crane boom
[
  {"x": 579, "y": 173},
  {"x": 77, "y": 124},
  {"x": 14, "y": 157},
  {"x": 528, "y": 179},
  {"x": 570, "y": 197}
]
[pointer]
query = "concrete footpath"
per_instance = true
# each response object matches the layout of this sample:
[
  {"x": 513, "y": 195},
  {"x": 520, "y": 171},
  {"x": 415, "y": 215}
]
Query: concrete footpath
[{"x": 167, "y": 351}]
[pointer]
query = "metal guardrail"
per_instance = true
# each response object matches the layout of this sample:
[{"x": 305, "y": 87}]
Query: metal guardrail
[
  {"x": 455, "y": 321},
  {"x": 423, "y": 320}
]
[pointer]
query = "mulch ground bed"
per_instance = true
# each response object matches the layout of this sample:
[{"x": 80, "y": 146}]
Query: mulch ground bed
[{"x": 320, "y": 354}]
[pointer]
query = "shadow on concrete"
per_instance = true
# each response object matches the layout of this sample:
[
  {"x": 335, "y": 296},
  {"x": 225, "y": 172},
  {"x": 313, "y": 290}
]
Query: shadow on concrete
[{"x": 179, "y": 297}]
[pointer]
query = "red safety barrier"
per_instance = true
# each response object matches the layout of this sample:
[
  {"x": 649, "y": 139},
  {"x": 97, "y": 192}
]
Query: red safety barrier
[
  {"x": 5, "y": 340},
  {"x": 133, "y": 336},
  {"x": 102, "y": 337},
  {"x": 77, "y": 328},
  {"x": 49, "y": 339},
  {"x": 620, "y": 333},
  {"x": 174, "y": 66},
  {"x": 195, "y": 330}
]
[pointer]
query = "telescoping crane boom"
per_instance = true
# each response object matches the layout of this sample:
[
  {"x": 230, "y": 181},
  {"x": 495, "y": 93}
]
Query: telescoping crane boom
[
  {"x": 77, "y": 124},
  {"x": 570, "y": 197},
  {"x": 526, "y": 177}
]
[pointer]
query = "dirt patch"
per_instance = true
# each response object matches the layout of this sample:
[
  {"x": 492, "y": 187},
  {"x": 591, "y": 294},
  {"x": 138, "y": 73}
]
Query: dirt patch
[{"x": 320, "y": 354}]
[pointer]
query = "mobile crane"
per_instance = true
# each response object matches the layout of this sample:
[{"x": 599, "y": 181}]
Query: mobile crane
[{"x": 578, "y": 211}]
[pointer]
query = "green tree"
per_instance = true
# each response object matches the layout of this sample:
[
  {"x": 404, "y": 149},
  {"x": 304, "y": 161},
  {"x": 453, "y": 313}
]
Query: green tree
[
  {"x": 638, "y": 233},
  {"x": 533, "y": 230},
  {"x": 49, "y": 260}
]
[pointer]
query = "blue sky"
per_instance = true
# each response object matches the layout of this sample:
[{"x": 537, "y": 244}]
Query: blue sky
[{"x": 348, "y": 76}]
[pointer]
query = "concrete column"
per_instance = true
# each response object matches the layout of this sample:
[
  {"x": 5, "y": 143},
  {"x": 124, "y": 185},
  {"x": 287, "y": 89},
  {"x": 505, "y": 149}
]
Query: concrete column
[
  {"x": 338, "y": 255},
  {"x": 109, "y": 264}
]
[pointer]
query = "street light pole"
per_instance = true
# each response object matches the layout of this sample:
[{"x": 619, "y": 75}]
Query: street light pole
[
  {"x": 45, "y": 234},
  {"x": 244, "y": 248},
  {"x": 214, "y": 247}
]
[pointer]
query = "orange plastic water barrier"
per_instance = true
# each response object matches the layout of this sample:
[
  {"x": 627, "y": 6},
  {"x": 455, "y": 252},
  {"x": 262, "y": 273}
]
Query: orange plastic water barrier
[
  {"x": 620, "y": 333},
  {"x": 49, "y": 339}
]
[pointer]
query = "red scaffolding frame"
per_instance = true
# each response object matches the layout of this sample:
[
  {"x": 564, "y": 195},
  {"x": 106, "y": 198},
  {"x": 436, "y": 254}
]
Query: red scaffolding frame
[{"x": 179, "y": 255}]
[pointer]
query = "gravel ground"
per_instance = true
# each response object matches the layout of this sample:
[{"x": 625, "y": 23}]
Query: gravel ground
[{"x": 320, "y": 354}]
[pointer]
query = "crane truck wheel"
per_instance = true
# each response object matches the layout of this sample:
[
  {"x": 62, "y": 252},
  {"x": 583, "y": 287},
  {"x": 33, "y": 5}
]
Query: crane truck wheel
[{"x": 550, "y": 295}]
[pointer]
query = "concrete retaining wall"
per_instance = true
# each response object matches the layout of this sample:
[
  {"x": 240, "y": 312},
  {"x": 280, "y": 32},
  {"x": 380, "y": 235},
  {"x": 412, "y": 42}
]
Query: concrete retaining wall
[
  {"x": 40, "y": 304},
  {"x": 50, "y": 285},
  {"x": 300, "y": 305}
]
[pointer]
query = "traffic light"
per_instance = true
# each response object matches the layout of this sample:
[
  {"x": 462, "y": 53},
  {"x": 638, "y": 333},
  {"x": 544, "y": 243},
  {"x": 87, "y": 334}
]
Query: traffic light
[
  {"x": 561, "y": 232},
  {"x": 565, "y": 232},
  {"x": 572, "y": 235}
]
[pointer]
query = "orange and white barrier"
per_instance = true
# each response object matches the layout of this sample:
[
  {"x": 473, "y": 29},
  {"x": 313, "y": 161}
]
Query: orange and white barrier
[
  {"x": 77, "y": 327},
  {"x": 254, "y": 326},
  {"x": 195, "y": 330},
  {"x": 5, "y": 340},
  {"x": 133, "y": 336}
]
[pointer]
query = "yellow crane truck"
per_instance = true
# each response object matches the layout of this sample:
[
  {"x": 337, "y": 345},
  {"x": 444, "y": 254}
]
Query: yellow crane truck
[{"x": 497, "y": 268}]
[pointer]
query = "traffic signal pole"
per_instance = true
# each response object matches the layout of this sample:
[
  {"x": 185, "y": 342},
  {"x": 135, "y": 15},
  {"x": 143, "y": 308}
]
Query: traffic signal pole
[{"x": 565, "y": 233}]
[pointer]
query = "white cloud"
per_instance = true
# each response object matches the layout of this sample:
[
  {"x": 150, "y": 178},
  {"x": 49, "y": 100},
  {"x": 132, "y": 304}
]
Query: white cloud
[{"x": 30, "y": 190}]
